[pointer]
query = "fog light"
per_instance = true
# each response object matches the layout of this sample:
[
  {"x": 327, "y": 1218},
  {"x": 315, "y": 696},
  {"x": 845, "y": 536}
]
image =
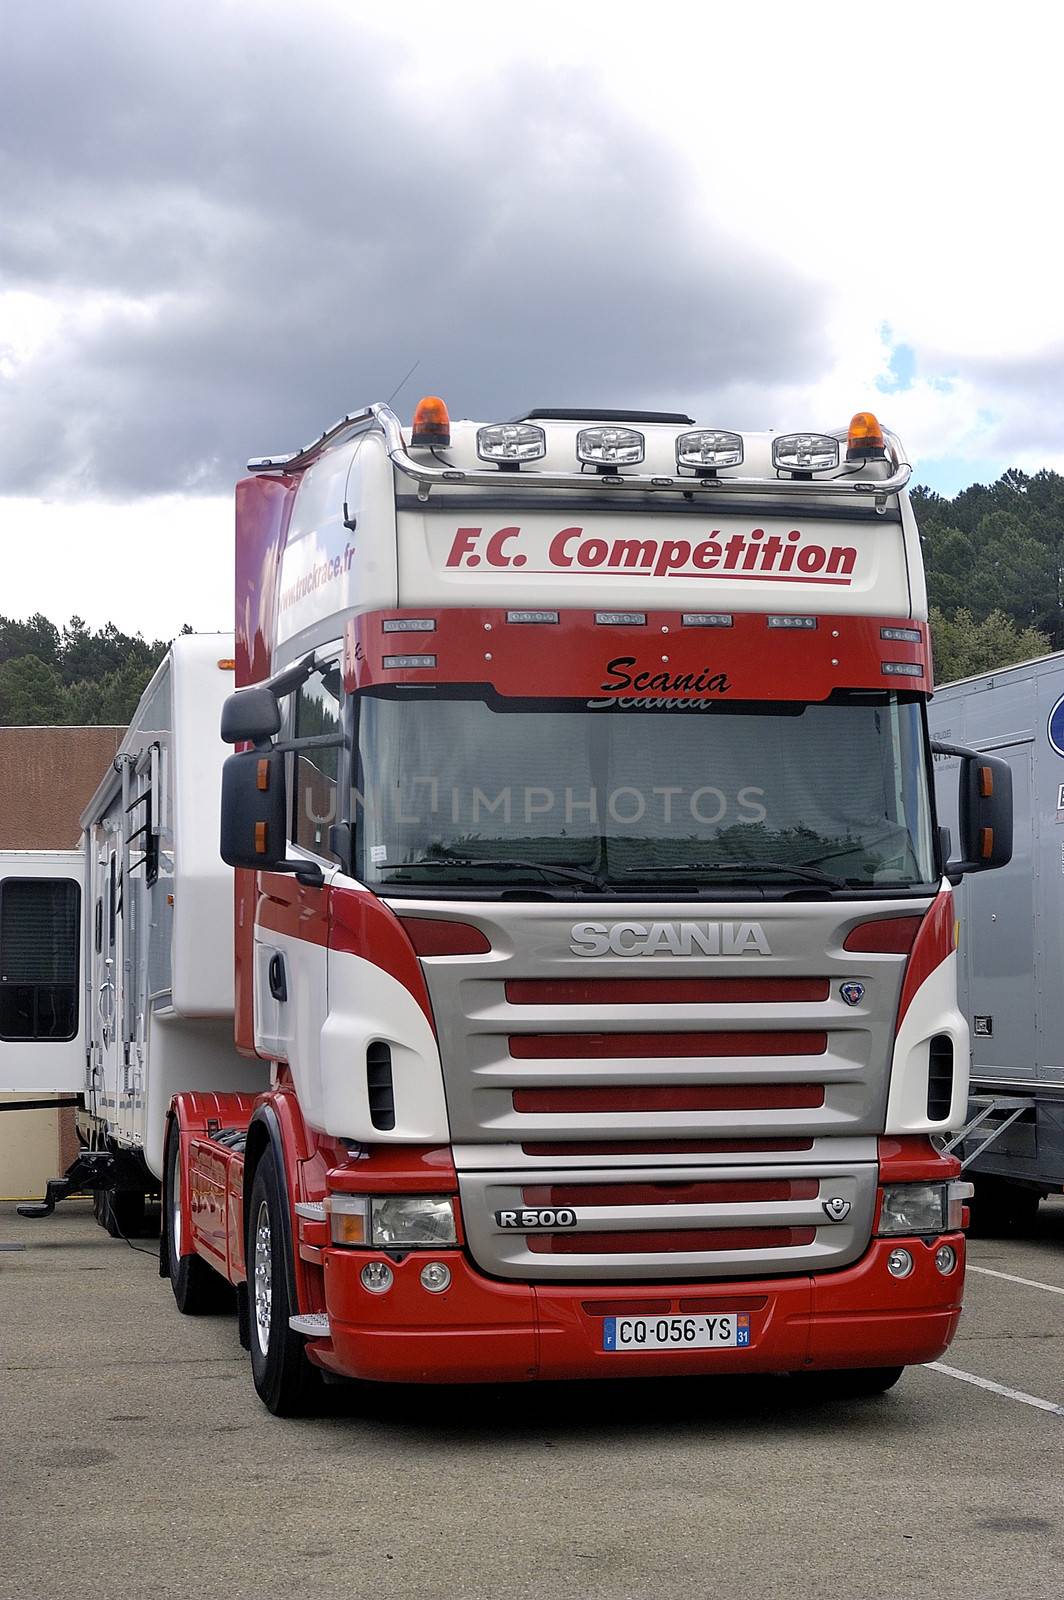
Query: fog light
[
  {"x": 945, "y": 1258},
  {"x": 899, "y": 1263},
  {"x": 378, "y": 1277},
  {"x": 435, "y": 1277}
]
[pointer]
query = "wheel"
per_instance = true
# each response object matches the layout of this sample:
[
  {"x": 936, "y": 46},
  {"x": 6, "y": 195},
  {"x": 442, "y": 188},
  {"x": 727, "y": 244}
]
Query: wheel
[
  {"x": 198, "y": 1289},
  {"x": 1002, "y": 1207},
  {"x": 125, "y": 1213},
  {"x": 851, "y": 1383},
  {"x": 287, "y": 1383}
]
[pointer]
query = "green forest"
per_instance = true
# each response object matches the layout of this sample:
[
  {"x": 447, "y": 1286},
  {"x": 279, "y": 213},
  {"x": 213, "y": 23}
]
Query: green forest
[
  {"x": 994, "y": 556},
  {"x": 72, "y": 674}
]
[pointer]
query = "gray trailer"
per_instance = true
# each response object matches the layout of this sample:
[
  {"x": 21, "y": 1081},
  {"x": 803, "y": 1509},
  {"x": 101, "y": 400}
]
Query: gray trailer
[{"x": 1011, "y": 967}]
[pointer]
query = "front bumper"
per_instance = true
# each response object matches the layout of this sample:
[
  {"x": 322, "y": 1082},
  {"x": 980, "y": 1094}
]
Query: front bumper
[{"x": 481, "y": 1330}]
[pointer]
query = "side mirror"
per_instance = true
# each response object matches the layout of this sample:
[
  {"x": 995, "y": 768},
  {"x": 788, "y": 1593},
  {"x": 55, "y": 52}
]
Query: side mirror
[
  {"x": 251, "y": 714},
  {"x": 985, "y": 811},
  {"x": 255, "y": 815}
]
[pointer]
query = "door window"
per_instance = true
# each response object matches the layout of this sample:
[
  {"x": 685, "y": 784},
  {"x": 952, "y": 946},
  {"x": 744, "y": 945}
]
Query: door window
[
  {"x": 318, "y": 715},
  {"x": 39, "y": 937}
]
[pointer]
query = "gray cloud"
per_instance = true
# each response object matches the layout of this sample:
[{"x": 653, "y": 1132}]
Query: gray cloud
[{"x": 277, "y": 229}]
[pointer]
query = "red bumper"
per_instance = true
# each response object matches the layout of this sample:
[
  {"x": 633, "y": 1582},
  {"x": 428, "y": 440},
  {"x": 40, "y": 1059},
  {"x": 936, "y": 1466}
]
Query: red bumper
[{"x": 483, "y": 1330}]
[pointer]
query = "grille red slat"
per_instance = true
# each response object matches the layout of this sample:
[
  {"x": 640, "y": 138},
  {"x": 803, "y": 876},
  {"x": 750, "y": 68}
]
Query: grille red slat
[
  {"x": 621, "y": 1046},
  {"x": 663, "y": 991},
  {"x": 709, "y": 1191},
  {"x": 664, "y": 1147},
  {"x": 673, "y": 1097},
  {"x": 667, "y": 1242},
  {"x": 887, "y": 936}
]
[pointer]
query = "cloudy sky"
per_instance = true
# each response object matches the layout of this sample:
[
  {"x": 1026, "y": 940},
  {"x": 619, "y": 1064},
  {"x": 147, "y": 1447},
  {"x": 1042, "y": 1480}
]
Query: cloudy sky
[{"x": 222, "y": 225}]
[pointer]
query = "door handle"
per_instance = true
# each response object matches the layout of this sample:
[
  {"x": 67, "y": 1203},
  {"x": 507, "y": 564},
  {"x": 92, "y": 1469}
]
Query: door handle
[{"x": 278, "y": 985}]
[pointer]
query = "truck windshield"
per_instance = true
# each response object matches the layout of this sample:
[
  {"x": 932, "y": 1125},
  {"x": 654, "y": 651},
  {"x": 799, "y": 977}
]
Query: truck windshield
[{"x": 456, "y": 789}]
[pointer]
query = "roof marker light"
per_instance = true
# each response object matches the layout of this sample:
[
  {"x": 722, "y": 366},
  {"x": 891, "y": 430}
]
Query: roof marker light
[
  {"x": 510, "y": 443},
  {"x": 531, "y": 616},
  {"x": 805, "y": 452},
  {"x": 392, "y": 662},
  {"x": 611, "y": 619},
  {"x": 901, "y": 635},
  {"x": 707, "y": 449},
  {"x": 409, "y": 625},
  {"x": 903, "y": 669},
  {"x": 865, "y": 439},
  {"x": 792, "y": 622},
  {"x": 432, "y": 425},
  {"x": 610, "y": 447},
  {"x": 706, "y": 619}
]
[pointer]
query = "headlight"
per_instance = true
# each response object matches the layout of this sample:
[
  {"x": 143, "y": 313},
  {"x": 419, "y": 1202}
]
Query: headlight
[
  {"x": 392, "y": 1221},
  {"x": 913, "y": 1208}
]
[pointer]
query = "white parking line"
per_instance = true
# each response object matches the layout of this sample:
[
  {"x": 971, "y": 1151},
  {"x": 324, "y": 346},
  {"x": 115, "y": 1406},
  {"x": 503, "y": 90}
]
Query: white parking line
[
  {"x": 997, "y": 1388},
  {"x": 1028, "y": 1283}
]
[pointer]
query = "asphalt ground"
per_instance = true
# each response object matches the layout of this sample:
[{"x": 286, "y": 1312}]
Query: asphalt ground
[{"x": 137, "y": 1461}]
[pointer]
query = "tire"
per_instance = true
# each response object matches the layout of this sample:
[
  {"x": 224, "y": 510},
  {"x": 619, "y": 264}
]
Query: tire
[
  {"x": 1000, "y": 1207},
  {"x": 851, "y": 1383},
  {"x": 125, "y": 1213},
  {"x": 287, "y": 1383},
  {"x": 198, "y": 1289}
]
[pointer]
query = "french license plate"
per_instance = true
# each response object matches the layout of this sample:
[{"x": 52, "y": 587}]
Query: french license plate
[{"x": 727, "y": 1330}]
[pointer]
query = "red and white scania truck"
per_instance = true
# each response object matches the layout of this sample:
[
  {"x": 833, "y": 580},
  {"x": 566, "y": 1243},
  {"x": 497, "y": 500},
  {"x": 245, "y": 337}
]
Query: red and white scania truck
[{"x": 588, "y": 1003}]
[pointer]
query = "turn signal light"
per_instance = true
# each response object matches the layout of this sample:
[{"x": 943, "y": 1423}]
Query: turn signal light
[
  {"x": 865, "y": 438},
  {"x": 432, "y": 425}
]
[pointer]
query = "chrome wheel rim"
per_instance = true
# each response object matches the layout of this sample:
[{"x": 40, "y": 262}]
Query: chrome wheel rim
[
  {"x": 262, "y": 1271},
  {"x": 175, "y": 1208}
]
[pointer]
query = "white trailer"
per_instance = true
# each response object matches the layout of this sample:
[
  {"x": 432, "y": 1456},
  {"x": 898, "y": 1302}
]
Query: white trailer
[{"x": 146, "y": 1010}]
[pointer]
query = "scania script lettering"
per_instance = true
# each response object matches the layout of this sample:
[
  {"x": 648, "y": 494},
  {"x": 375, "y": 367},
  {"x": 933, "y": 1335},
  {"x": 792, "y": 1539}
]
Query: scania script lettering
[{"x": 675, "y": 938}]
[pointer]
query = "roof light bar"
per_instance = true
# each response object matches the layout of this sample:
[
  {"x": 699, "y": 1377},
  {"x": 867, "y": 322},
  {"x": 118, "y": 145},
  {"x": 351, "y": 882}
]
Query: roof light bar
[
  {"x": 610, "y": 447},
  {"x": 805, "y": 452},
  {"x": 792, "y": 622},
  {"x": 391, "y": 662},
  {"x": 408, "y": 625},
  {"x": 707, "y": 450},
  {"x": 511, "y": 443},
  {"x": 707, "y": 619},
  {"x": 613, "y": 619}
]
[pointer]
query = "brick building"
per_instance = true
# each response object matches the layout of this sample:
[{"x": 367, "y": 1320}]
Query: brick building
[{"x": 47, "y": 777}]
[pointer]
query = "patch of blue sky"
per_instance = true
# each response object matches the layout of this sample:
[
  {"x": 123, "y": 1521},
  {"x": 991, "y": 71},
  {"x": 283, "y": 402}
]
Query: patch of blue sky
[{"x": 948, "y": 475}]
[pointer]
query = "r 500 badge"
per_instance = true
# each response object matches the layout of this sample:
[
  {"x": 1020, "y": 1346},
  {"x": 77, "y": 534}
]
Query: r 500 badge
[{"x": 537, "y": 1217}]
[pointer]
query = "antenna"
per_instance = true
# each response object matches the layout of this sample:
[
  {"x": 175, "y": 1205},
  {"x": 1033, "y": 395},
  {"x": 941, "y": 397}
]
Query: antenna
[{"x": 403, "y": 381}]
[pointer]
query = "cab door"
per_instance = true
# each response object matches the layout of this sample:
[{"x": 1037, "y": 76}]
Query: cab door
[{"x": 42, "y": 996}]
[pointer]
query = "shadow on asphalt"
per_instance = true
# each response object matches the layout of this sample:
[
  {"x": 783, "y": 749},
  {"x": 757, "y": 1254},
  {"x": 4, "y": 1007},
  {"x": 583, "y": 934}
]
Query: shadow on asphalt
[{"x": 635, "y": 1408}]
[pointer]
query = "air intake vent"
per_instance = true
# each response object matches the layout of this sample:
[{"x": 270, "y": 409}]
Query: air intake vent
[
  {"x": 379, "y": 1083},
  {"x": 939, "y": 1078}
]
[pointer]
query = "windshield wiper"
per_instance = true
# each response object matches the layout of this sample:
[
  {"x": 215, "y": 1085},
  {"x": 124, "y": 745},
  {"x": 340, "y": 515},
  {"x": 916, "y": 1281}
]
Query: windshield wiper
[
  {"x": 739, "y": 869},
  {"x": 549, "y": 869}
]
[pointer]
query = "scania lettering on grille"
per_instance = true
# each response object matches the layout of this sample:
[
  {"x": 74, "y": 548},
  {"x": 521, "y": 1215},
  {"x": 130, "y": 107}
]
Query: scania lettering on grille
[
  {"x": 533, "y": 1217},
  {"x": 668, "y": 938}
]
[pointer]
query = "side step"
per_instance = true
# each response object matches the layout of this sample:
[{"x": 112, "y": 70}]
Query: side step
[
  {"x": 315, "y": 1324},
  {"x": 1009, "y": 1107}
]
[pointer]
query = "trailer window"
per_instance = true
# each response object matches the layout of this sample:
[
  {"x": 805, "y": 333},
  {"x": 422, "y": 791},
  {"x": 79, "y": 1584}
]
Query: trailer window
[
  {"x": 316, "y": 771},
  {"x": 39, "y": 939}
]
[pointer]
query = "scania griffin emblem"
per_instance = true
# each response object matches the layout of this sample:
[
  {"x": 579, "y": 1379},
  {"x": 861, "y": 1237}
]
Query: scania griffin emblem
[{"x": 852, "y": 993}]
